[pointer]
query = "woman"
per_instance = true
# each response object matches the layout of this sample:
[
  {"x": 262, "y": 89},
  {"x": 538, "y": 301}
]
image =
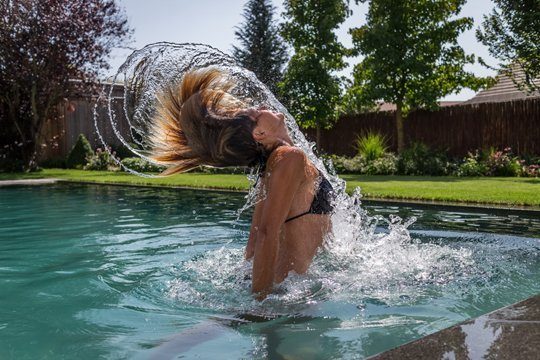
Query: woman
[{"x": 201, "y": 123}]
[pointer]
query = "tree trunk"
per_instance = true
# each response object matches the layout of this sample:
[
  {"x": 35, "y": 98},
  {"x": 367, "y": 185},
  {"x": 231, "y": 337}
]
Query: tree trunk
[{"x": 399, "y": 129}]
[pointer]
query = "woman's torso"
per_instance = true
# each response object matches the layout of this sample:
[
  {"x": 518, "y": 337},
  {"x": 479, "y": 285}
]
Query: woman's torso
[{"x": 302, "y": 236}]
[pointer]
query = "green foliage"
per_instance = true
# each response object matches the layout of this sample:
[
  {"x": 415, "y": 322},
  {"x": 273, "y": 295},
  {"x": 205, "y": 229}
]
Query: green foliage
[
  {"x": 141, "y": 165},
  {"x": 310, "y": 85},
  {"x": 10, "y": 164},
  {"x": 101, "y": 160},
  {"x": 81, "y": 151},
  {"x": 494, "y": 163},
  {"x": 531, "y": 170},
  {"x": 503, "y": 163},
  {"x": 531, "y": 166},
  {"x": 384, "y": 165},
  {"x": 123, "y": 151},
  {"x": 472, "y": 165},
  {"x": 354, "y": 165},
  {"x": 371, "y": 146},
  {"x": 335, "y": 162},
  {"x": 419, "y": 159},
  {"x": 261, "y": 48},
  {"x": 411, "y": 56},
  {"x": 512, "y": 34},
  {"x": 53, "y": 163}
]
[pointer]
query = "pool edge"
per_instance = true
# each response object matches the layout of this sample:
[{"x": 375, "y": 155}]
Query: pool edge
[
  {"x": 501, "y": 334},
  {"x": 48, "y": 181},
  {"x": 29, "y": 182}
]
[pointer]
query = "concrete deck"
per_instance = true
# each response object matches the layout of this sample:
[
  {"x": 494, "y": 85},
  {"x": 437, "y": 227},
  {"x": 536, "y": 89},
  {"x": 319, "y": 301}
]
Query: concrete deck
[
  {"x": 28, "y": 182},
  {"x": 512, "y": 333}
]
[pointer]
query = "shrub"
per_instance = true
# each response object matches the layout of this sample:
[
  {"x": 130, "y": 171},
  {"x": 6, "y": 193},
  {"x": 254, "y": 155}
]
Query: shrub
[
  {"x": 472, "y": 166},
  {"x": 419, "y": 159},
  {"x": 503, "y": 163},
  {"x": 385, "y": 165},
  {"x": 531, "y": 170},
  {"x": 57, "y": 163},
  {"x": 101, "y": 160},
  {"x": 10, "y": 164},
  {"x": 371, "y": 146},
  {"x": 122, "y": 152},
  {"x": 141, "y": 165},
  {"x": 337, "y": 163},
  {"x": 353, "y": 165},
  {"x": 346, "y": 165},
  {"x": 79, "y": 154}
]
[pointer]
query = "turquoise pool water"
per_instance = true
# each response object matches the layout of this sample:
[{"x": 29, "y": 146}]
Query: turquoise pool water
[{"x": 92, "y": 272}]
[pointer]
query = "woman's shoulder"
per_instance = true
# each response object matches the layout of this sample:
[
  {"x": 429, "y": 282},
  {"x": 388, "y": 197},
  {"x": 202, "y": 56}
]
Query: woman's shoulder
[{"x": 287, "y": 155}]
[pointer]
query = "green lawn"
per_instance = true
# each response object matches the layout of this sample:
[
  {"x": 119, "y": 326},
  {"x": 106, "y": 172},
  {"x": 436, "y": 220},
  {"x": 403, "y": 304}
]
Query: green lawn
[
  {"x": 502, "y": 191},
  {"x": 488, "y": 190},
  {"x": 192, "y": 180}
]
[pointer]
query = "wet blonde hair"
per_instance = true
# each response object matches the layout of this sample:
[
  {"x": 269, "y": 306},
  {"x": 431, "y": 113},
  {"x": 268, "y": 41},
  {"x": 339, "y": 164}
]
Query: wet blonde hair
[{"x": 199, "y": 123}]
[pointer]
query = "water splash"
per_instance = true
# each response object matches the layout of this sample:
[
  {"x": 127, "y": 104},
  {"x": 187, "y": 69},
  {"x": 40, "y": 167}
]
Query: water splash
[
  {"x": 148, "y": 71},
  {"x": 358, "y": 261}
]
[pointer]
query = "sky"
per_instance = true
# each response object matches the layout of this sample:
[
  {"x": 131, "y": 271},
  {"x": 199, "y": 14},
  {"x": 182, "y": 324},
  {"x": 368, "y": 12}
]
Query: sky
[{"x": 213, "y": 22}]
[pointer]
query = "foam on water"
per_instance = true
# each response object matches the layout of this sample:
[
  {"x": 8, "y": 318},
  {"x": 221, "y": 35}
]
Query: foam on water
[{"x": 358, "y": 261}]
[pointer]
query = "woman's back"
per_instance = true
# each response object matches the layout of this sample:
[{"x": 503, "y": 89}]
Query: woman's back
[{"x": 303, "y": 233}]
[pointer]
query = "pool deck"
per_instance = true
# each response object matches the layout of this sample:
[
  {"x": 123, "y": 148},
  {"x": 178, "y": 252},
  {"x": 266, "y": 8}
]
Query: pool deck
[
  {"x": 28, "y": 182},
  {"x": 512, "y": 332}
]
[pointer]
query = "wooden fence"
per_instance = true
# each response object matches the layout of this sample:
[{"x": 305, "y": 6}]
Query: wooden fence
[
  {"x": 455, "y": 129},
  {"x": 77, "y": 117}
]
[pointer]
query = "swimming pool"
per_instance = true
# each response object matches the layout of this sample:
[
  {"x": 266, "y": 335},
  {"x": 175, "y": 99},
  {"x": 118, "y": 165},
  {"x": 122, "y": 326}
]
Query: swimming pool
[{"x": 117, "y": 272}]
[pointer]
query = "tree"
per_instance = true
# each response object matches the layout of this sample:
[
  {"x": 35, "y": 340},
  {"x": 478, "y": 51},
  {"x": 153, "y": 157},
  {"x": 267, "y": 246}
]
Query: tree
[
  {"x": 411, "y": 56},
  {"x": 48, "y": 50},
  {"x": 512, "y": 34},
  {"x": 310, "y": 85},
  {"x": 262, "y": 49}
]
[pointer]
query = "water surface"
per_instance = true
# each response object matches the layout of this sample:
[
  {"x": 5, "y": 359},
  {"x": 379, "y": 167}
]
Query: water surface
[{"x": 117, "y": 272}]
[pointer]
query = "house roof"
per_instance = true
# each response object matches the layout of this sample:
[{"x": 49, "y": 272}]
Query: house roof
[{"x": 504, "y": 89}]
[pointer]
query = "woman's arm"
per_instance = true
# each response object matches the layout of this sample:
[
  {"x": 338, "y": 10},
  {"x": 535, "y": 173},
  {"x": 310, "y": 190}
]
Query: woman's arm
[
  {"x": 286, "y": 172},
  {"x": 256, "y": 219}
]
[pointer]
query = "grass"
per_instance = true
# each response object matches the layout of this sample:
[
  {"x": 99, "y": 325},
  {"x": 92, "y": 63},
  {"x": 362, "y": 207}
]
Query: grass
[
  {"x": 510, "y": 191},
  {"x": 192, "y": 180}
]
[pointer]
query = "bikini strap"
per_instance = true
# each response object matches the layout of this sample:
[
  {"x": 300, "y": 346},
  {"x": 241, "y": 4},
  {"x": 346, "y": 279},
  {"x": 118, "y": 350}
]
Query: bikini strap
[{"x": 297, "y": 216}]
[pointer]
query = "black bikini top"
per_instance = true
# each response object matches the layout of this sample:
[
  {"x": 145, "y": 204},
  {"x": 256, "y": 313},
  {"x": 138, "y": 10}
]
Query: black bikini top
[{"x": 322, "y": 201}]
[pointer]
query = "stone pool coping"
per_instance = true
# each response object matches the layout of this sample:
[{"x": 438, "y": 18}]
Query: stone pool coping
[
  {"x": 29, "y": 182},
  {"x": 374, "y": 199},
  {"x": 512, "y": 332}
]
